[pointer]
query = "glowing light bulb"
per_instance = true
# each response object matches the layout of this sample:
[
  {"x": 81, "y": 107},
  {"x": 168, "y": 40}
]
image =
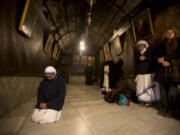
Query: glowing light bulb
[
  {"x": 82, "y": 43},
  {"x": 82, "y": 47}
]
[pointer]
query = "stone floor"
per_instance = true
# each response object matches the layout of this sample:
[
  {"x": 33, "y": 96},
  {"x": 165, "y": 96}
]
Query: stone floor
[{"x": 86, "y": 113}]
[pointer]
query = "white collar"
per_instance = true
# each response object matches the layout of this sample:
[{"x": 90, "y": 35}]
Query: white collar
[{"x": 143, "y": 51}]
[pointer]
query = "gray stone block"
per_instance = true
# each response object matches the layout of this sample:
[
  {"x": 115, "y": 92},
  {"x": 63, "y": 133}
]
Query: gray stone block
[{"x": 16, "y": 91}]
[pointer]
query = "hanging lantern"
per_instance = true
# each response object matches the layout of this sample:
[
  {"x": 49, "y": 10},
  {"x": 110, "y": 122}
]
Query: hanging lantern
[
  {"x": 86, "y": 31},
  {"x": 89, "y": 19}
]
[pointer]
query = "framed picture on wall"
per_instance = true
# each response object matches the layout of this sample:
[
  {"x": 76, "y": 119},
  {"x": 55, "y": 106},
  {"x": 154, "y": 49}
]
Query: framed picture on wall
[
  {"x": 106, "y": 50},
  {"x": 117, "y": 46},
  {"x": 58, "y": 53},
  {"x": 142, "y": 25},
  {"x": 55, "y": 51},
  {"x": 48, "y": 44},
  {"x": 28, "y": 18},
  {"x": 83, "y": 59},
  {"x": 76, "y": 59},
  {"x": 123, "y": 39},
  {"x": 102, "y": 56}
]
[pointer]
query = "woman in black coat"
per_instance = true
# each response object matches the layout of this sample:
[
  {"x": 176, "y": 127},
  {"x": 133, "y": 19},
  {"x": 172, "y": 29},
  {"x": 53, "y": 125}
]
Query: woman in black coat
[
  {"x": 144, "y": 79},
  {"x": 52, "y": 92},
  {"x": 50, "y": 98},
  {"x": 168, "y": 70}
]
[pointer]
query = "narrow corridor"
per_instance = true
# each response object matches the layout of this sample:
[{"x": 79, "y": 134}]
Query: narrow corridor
[
  {"x": 86, "y": 113},
  {"x": 112, "y": 44}
]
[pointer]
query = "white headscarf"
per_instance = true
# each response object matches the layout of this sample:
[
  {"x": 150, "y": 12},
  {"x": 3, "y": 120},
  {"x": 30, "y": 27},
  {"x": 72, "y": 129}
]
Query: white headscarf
[
  {"x": 50, "y": 70},
  {"x": 143, "y": 43}
]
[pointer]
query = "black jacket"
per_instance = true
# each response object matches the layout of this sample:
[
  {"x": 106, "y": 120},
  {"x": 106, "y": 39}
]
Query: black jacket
[
  {"x": 168, "y": 73},
  {"x": 52, "y": 92},
  {"x": 146, "y": 66}
]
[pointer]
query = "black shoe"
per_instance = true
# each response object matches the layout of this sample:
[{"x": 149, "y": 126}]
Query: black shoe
[
  {"x": 162, "y": 112},
  {"x": 103, "y": 92}
]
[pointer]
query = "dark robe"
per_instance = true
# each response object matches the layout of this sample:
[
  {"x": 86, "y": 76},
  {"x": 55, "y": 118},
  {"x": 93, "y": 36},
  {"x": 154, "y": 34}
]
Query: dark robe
[
  {"x": 89, "y": 75},
  {"x": 112, "y": 77},
  {"x": 146, "y": 66},
  {"x": 52, "y": 92}
]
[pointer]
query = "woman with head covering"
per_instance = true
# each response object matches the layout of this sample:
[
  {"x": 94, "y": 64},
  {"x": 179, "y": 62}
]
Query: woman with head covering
[
  {"x": 50, "y": 98},
  {"x": 144, "y": 78},
  {"x": 167, "y": 74}
]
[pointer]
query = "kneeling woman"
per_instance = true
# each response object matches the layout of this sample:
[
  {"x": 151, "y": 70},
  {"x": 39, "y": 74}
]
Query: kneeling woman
[
  {"x": 144, "y": 78},
  {"x": 50, "y": 98}
]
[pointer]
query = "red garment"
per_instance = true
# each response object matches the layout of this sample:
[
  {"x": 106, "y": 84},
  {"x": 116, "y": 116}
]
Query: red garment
[{"x": 128, "y": 103}]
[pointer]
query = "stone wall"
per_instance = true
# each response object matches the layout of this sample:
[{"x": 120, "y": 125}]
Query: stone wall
[
  {"x": 20, "y": 55},
  {"x": 16, "y": 91}
]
